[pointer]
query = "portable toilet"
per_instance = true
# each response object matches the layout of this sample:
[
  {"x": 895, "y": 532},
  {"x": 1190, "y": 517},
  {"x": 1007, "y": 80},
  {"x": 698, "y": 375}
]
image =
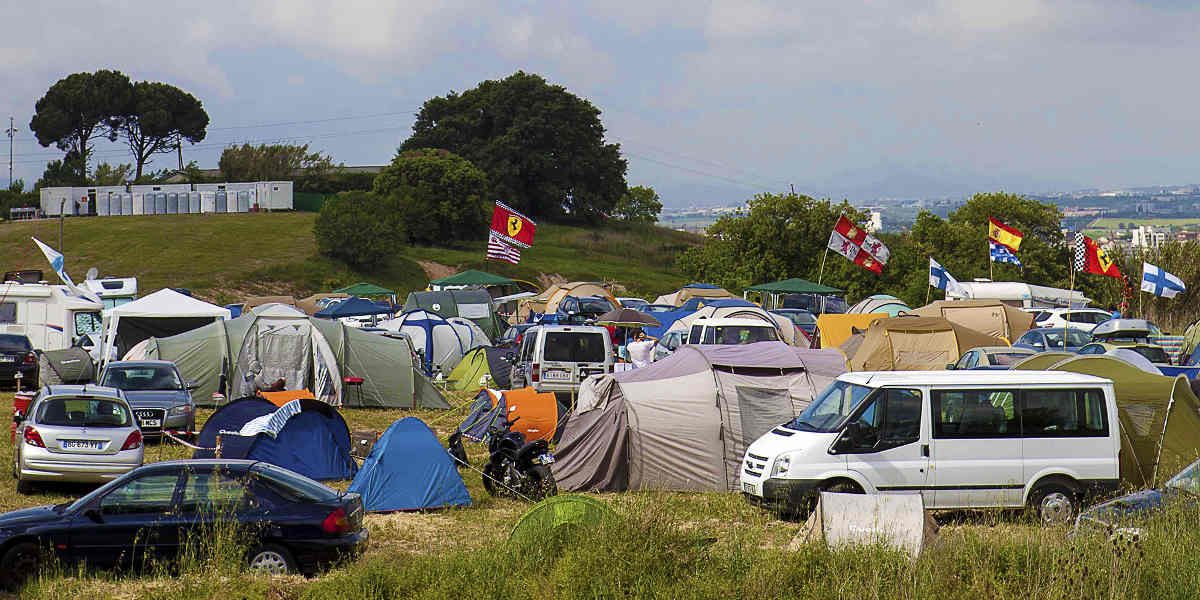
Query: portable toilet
[
  {"x": 173, "y": 203},
  {"x": 221, "y": 204},
  {"x": 243, "y": 201},
  {"x": 194, "y": 202},
  {"x": 102, "y": 204}
]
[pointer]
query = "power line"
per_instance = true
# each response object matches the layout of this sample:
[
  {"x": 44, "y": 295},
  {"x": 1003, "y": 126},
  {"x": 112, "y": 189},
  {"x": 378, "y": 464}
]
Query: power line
[{"x": 329, "y": 120}]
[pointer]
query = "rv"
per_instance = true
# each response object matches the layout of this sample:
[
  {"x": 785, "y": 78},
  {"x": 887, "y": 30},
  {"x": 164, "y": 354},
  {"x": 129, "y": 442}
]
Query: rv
[
  {"x": 48, "y": 315},
  {"x": 113, "y": 291}
]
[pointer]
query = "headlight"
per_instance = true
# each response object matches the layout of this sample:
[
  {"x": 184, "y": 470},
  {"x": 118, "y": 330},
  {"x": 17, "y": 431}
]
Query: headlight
[
  {"x": 782, "y": 463},
  {"x": 182, "y": 409}
]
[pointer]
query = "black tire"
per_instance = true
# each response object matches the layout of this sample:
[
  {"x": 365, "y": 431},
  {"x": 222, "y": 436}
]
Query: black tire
[
  {"x": 541, "y": 483},
  {"x": 491, "y": 480},
  {"x": 270, "y": 559},
  {"x": 18, "y": 565},
  {"x": 1054, "y": 502},
  {"x": 842, "y": 486},
  {"x": 24, "y": 487}
]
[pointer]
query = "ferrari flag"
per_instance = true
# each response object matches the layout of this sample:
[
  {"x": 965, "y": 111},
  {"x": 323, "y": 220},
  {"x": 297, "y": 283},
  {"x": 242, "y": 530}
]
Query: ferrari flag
[
  {"x": 512, "y": 226},
  {"x": 1091, "y": 258},
  {"x": 1004, "y": 235}
]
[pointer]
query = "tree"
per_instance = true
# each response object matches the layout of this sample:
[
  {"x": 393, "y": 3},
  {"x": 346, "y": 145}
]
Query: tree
[
  {"x": 107, "y": 174},
  {"x": 161, "y": 116},
  {"x": 271, "y": 162},
  {"x": 541, "y": 146},
  {"x": 78, "y": 109},
  {"x": 362, "y": 229},
  {"x": 638, "y": 205},
  {"x": 69, "y": 171},
  {"x": 441, "y": 196}
]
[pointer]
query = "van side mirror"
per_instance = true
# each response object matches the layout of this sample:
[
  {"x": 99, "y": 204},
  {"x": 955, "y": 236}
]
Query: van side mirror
[
  {"x": 190, "y": 385},
  {"x": 949, "y": 366}
]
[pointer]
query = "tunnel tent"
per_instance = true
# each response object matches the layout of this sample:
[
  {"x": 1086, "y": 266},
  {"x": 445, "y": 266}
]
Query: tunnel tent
[
  {"x": 991, "y": 317},
  {"x": 911, "y": 343},
  {"x": 313, "y": 439},
  {"x": 161, "y": 314},
  {"x": 837, "y": 328},
  {"x": 787, "y": 330},
  {"x": 684, "y": 422},
  {"x": 693, "y": 290},
  {"x": 879, "y": 303},
  {"x": 409, "y": 469},
  {"x": 1042, "y": 360},
  {"x": 472, "y": 304}
]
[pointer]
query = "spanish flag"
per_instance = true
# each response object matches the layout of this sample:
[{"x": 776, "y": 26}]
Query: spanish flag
[{"x": 1004, "y": 235}]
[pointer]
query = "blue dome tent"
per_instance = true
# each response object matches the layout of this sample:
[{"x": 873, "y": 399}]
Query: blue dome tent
[
  {"x": 440, "y": 342},
  {"x": 408, "y": 469}
]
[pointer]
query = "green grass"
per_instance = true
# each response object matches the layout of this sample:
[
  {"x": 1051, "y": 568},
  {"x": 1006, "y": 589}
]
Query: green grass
[
  {"x": 224, "y": 258},
  {"x": 1110, "y": 223}
]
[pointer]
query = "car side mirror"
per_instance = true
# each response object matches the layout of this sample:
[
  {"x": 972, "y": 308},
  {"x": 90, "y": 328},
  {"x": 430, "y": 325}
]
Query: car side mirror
[
  {"x": 949, "y": 366},
  {"x": 190, "y": 385},
  {"x": 1038, "y": 345},
  {"x": 94, "y": 515}
]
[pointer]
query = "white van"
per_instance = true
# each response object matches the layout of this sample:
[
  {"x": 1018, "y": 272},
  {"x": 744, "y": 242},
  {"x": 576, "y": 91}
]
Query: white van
[
  {"x": 557, "y": 358},
  {"x": 51, "y": 318},
  {"x": 729, "y": 331},
  {"x": 962, "y": 439}
]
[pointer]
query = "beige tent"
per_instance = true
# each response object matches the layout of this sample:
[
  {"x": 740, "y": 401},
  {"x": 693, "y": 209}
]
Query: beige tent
[
  {"x": 1159, "y": 416},
  {"x": 914, "y": 344},
  {"x": 547, "y": 301},
  {"x": 684, "y": 422},
  {"x": 992, "y": 317},
  {"x": 787, "y": 330},
  {"x": 682, "y": 295},
  {"x": 252, "y": 302}
]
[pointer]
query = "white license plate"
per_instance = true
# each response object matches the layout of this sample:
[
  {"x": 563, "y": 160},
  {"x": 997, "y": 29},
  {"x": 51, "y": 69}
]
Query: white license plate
[
  {"x": 81, "y": 445},
  {"x": 8, "y": 359},
  {"x": 748, "y": 488},
  {"x": 546, "y": 459},
  {"x": 151, "y": 422},
  {"x": 558, "y": 374}
]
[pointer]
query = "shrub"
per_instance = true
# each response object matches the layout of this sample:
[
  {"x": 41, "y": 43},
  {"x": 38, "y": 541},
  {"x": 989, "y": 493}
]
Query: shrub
[
  {"x": 361, "y": 229},
  {"x": 441, "y": 196}
]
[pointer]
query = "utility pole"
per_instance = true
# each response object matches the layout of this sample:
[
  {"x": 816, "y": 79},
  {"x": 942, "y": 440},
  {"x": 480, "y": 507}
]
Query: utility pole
[{"x": 11, "y": 131}]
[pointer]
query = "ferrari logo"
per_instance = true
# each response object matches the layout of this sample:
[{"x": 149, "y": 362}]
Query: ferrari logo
[
  {"x": 1105, "y": 262},
  {"x": 514, "y": 226}
]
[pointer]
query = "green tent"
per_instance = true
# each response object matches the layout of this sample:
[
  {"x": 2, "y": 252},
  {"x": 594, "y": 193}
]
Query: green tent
[
  {"x": 475, "y": 305},
  {"x": 217, "y": 358},
  {"x": 794, "y": 285},
  {"x": 472, "y": 278},
  {"x": 1159, "y": 416},
  {"x": 366, "y": 290},
  {"x": 470, "y": 370}
]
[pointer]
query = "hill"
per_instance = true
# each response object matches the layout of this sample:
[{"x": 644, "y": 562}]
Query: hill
[{"x": 226, "y": 257}]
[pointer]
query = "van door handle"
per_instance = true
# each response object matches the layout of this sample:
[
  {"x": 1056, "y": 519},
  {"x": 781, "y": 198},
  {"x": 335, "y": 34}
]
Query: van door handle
[{"x": 925, "y": 450}]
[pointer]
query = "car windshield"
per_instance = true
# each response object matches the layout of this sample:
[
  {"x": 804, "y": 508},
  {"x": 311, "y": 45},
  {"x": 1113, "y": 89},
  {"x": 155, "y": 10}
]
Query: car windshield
[
  {"x": 1005, "y": 358},
  {"x": 153, "y": 377},
  {"x": 297, "y": 486},
  {"x": 83, "y": 412},
  {"x": 1153, "y": 354},
  {"x": 14, "y": 343},
  {"x": 594, "y": 305},
  {"x": 1187, "y": 480},
  {"x": 827, "y": 412},
  {"x": 572, "y": 346},
  {"x": 728, "y": 335},
  {"x": 1075, "y": 337}
]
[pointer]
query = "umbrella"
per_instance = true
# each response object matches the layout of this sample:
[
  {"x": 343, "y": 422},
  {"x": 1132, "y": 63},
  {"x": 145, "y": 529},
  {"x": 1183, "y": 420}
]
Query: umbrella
[{"x": 625, "y": 317}]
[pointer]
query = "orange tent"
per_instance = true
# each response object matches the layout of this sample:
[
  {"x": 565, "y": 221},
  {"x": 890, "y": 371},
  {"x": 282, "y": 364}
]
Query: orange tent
[
  {"x": 281, "y": 398},
  {"x": 538, "y": 412}
]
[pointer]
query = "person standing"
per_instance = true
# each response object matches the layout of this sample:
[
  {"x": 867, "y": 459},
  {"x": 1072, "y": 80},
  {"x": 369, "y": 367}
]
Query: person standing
[{"x": 639, "y": 350}]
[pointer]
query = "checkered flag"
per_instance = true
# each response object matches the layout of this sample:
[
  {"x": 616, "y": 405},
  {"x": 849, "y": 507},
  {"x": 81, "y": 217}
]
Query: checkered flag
[{"x": 1080, "y": 252}]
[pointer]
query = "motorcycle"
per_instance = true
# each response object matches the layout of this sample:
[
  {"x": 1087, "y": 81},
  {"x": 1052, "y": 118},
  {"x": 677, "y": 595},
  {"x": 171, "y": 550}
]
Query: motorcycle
[{"x": 517, "y": 468}]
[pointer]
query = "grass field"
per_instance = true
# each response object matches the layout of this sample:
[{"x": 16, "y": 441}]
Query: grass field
[
  {"x": 1110, "y": 223},
  {"x": 663, "y": 545},
  {"x": 226, "y": 257}
]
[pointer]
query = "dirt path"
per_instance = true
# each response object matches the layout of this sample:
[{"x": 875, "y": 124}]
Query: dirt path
[{"x": 436, "y": 270}]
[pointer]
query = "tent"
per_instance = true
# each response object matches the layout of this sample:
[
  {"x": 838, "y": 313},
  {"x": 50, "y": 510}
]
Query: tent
[
  {"x": 309, "y": 304},
  {"x": 537, "y": 413},
  {"x": 475, "y": 305},
  {"x": 474, "y": 336},
  {"x": 548, "y": 300},
  {"x": 408, "y": 469},
  {"x": 479, "y": 363},
  {"x": 991, "y": 317},
  {"x": 161, "y": 314},
  {"x": 794, "y": 285},
  {"x": 470, "y": 278},
  {"x": 439, "y": 342},
  {"x": 693, "y": 290},
  {"x": 1159, "y": 415},
  {"x": 787, "y": 330},
  {"x": 836, "y": 328},
  {"x": 913, "y": 344},
  {"x": 683, "y": 423},
  {"x": 879, "y": 303},
  {"x": 212, "y": 355},
  {"x": 313, "y": 441},
  {"x": 367, "y": 289},
  {"x": 352, "y": 307}
]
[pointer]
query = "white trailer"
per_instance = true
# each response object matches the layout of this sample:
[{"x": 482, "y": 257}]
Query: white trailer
[
  {"x": 113, "y": 291},
  {"x": 1021, "y": 295},
  {"x": 48, "y": 315}
]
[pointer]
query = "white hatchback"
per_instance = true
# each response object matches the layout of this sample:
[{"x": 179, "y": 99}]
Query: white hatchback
[
  {"x": 1079, "y": 318},
  {"x": 76, "y": 433}
]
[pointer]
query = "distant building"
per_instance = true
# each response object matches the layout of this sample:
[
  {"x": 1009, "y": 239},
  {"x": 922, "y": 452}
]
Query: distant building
[
  {"x": 1145, "y": 236},
  {"x": 875, "y": 224}
]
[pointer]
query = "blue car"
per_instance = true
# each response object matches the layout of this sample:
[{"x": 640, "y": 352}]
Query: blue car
[
  {"x": 294, "y": 523},
  {"x": 1127, "y": 510},
  {"x": 1041, "y": 339}
]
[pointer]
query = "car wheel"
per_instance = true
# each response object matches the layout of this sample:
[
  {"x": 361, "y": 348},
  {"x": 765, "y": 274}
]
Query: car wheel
[
  {"x": 271, "y": 559},
  {"x": 18, "y": 565},
  {"x": 1053, "y": 503},
  {"x": 842, "y": 487}
]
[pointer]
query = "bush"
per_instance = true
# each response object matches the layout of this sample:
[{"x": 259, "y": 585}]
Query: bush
[
  {"x": 361, "y": 229},
  {"x": 441, "y": 196}
]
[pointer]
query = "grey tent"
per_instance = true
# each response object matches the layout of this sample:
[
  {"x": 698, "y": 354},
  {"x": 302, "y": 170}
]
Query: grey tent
[
  {"x": 475, "y": 305},
  {"x": 276, "y": 341},
  {"x": 683, "y": 423}
]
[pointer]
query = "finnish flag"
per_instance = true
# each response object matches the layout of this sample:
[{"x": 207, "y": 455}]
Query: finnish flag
[
  {"x": 1159, "y": 282},
  {"x": 941, "y": 279}
]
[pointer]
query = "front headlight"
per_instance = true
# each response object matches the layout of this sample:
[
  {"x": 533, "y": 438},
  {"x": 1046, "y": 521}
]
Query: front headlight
[
  {"x": 781, "y": 466},
  {"x": 182, "y": 409}
]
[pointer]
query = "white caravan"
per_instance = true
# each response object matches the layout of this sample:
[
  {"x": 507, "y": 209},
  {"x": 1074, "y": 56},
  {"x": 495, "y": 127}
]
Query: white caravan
[
  {"x": 113, "y": 291},
  {"x": 962, "y": 439},
  {"x": 50, "y": 317}
]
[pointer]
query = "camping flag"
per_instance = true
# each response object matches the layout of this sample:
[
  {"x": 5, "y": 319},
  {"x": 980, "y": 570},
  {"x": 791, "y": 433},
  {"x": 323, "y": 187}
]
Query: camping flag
[
  {"x": 1091, "y": 258},
  {"x": 498, "y": 249},
  {"x": 853, "y": 252},
  {"x": 859, "y": 236},
  {"x": 941, "y": 279},
  {"x": 1159, "y": 282},
  {"x": 58, "y": 262},
  {"x": 512, "y": 226},
  {"x": 1001, "y": 254},
  {"x": 1004, "y": 235}
]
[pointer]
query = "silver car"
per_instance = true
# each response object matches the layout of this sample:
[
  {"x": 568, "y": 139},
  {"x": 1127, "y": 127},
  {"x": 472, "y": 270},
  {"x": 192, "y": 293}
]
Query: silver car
[
  {"x": 77, "y": 433},
  {"x": 160, "y": 398}
]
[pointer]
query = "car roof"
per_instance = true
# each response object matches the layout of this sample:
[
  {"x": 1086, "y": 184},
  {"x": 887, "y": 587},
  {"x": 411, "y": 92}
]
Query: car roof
[
  {"x": 582, "y": 328},
  {"x": 882, "y": 378},
  {"x": 713, "y": 322},
  {"x": 87, "y": 389},
  {"x": 1003, "y": 349},
  {"x": 140, "y": 363}
]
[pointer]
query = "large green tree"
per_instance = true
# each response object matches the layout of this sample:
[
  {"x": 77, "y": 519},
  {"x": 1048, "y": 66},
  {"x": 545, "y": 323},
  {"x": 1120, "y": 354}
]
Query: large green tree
[
  {"x": 442, "y": 197},
  {"x": 160, "y": 118},
  {"x": 271, "y": 162},
  {"x": 79, "y": 108},
  {"x": 639, "y": 204},
  {"x": 541, "y": 146}
]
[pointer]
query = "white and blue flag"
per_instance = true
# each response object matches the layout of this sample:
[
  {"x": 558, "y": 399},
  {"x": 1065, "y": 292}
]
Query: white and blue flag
[
  {"x": 1001, "y": 254},
  {"x": 1159, "y": 282},
  {"x": 57, "y": 262},
  {"x": 941, "y": 279}
]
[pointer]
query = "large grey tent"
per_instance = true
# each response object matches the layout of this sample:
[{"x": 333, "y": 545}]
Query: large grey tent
[
  {"x": 475, "y": 305},
  {"x": 683, "y": 423},
  {"x": 275, "y": 341}
]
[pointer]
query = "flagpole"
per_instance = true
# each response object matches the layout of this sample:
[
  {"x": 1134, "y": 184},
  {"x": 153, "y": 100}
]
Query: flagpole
[
  {"x": 991, "y": 265},
  {"x": 821, "y": 275},
  {"x": 1070, "y": 299}
]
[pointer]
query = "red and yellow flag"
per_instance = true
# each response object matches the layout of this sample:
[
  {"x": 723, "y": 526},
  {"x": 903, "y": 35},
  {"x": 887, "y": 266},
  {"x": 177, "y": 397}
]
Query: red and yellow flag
[{"x": 1004, "y": 235}]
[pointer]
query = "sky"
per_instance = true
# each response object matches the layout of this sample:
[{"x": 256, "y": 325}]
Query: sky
[{"x": 711, "y": 102}]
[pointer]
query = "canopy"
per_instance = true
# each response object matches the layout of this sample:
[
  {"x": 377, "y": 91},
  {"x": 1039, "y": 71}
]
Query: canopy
[
  {"x": 914, "y": 344},
  {"x": 408, "y": 469},
  {"x": 794, "y": 285},
  {"x": 163, "y": 313},
  {"x": 365, "y": 289},
  {"x": 471, "y": 277},
  {"x": 991, "y": 317},
  {"x": 352, "y": 307}
]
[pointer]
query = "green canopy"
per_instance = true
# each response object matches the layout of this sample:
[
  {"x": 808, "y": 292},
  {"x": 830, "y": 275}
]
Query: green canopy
[
  {"x": 794, "y": 285},
  {"x": 473, "y": 277},
  {"x": 365, "y": 289}
]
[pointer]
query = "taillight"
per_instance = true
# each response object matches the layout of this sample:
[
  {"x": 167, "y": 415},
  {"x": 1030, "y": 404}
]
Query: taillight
[
  {"x": 33, "y": 438},
  {"x": 612, "y": 368},
  {"x": 336, "y": 522},
  {"x": 535, "y": 373},
  {"x": 133, "y": 442},
  {"x": 30, "y": 358}
]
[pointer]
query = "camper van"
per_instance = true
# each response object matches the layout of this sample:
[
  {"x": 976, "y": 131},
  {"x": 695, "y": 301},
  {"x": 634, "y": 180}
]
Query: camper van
[
  {"x": 557, "y": 358},
  {"x": 50, "y": 317},
  {"x": 731, "y": 330},
  {"x": 961, "y": 439},
  {"x": 113, "y": 291}
]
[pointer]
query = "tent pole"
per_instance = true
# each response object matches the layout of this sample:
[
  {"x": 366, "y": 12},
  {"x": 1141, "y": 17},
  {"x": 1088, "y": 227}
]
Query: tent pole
[{"x": 821, "y": 275}]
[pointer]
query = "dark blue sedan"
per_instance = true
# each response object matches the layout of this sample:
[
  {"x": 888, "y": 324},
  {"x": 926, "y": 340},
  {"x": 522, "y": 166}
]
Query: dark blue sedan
[
  {"x": 294, "y": 523},
  {"x": 1127, "y": 510}
]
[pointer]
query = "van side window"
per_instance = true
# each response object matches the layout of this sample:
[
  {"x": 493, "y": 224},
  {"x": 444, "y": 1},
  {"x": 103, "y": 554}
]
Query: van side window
[
  {"x": 1063, "y": 413},
  {"x": 8, "y": 312},
  {"x": 891, "y": 419},
  {"x": 974, "y": 414}
]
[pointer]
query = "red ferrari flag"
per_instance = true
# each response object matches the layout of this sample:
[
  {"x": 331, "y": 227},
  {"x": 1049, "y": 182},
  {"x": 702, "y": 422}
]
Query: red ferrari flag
[
  {"x": 512, "y": 226},
  {"x": 1091, "y": 258}
]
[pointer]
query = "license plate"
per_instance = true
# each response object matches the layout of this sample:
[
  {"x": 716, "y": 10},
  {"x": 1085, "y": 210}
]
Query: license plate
[
  {"x": 81, "y": 445},
  {"x": 748, "y": 488},
  {"x": 8, "y": 359},
  {"x": 558, "y": 374},
  {"x": 546, "y": 459},
  {"x": 151, "y": 422}
]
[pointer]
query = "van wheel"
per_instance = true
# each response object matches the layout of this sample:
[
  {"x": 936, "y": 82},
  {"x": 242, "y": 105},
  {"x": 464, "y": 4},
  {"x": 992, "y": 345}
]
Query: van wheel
[
  {"x": 842, "y": 486},
  {"x": 1054, "y": 503}
]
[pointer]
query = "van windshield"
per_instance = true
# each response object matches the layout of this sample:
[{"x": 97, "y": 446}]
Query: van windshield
[
  {"x": 827, "y": 412},
  {"x": 573, "y": 346},
  {"x": 738, "y": 334}
]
